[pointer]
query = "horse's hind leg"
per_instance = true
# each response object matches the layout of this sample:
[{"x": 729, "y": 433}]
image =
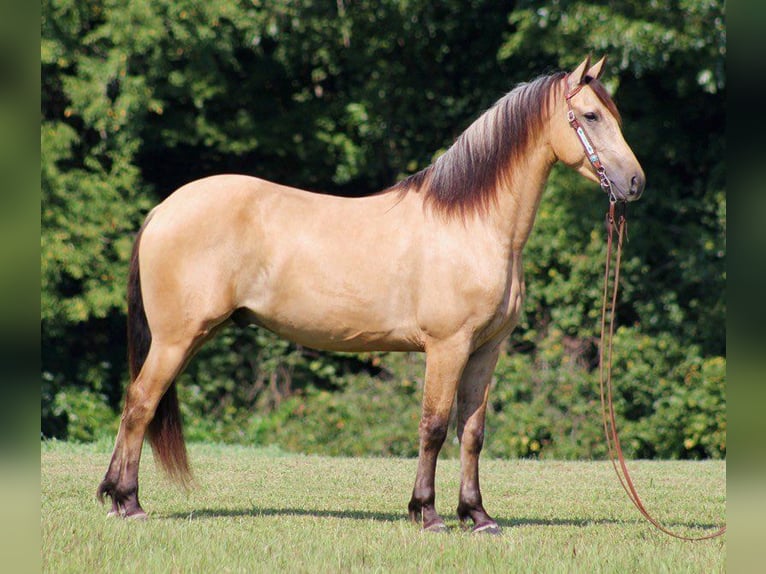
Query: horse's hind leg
[
  {"x": 444, "y": 365},
  {"x": 471, "y": 410},
  {"x": 120, "y": 483}
]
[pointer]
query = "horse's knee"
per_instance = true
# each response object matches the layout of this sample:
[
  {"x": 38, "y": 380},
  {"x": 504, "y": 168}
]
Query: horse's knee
[{"x": 433, "y": 431}]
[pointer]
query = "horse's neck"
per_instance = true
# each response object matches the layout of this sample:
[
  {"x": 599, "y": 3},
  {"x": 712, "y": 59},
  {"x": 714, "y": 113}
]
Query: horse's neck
[{"x": 517, "y": 204}]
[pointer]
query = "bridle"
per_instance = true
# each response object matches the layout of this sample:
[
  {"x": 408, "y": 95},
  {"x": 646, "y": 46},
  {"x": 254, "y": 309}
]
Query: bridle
[
  {"x": 590, "y": 151},
  {"x": 615, "y": 221}
]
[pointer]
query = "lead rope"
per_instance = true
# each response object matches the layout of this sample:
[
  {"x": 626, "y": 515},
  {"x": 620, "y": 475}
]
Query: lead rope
[{"x": 616, "y": 456}]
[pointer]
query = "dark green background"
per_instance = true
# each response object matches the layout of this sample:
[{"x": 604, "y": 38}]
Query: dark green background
[{"x": 347, "y": 97}]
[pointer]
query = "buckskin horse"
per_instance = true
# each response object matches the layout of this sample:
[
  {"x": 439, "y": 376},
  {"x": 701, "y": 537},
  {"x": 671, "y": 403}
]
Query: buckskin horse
[{"x": 432, "y": 264}]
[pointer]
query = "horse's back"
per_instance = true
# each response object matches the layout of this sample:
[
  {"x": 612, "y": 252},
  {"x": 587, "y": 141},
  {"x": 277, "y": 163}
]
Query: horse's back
[{"x": 217, "y": 194}]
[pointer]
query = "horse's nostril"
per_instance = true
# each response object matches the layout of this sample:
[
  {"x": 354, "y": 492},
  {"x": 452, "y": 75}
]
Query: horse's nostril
[{"x": 636, "y": 185}]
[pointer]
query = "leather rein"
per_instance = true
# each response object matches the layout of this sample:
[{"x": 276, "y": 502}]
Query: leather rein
[{"x": 616, "y": 221}]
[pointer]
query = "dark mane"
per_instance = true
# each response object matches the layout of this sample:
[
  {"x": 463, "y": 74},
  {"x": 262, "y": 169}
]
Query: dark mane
[{"x": 465, "y": 178}]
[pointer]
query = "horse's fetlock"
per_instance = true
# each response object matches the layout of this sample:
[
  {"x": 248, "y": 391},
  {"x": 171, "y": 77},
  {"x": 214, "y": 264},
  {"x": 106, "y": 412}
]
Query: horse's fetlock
[
  {"x": 469, "y": 501},
  {"x": 105, "y": 489}
]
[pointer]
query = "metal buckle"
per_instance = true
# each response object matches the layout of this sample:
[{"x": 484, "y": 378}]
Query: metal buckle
[{"x": 606, "y": 185}]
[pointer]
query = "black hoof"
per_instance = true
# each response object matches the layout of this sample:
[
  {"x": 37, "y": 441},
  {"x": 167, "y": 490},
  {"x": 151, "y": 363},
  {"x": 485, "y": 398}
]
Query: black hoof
[
  {"x": 124, "y": 502},
  {"x": 487, "y": 528},
  {"x": 136, "y": 514},
  {"x": 436, "y": 526}
]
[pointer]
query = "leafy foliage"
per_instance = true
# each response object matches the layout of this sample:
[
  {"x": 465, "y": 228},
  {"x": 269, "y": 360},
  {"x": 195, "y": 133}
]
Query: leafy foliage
[{"x": 345, "y": 98}]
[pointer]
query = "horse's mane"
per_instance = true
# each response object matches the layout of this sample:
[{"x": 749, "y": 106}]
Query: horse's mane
[{"x": 466, "y": 177}]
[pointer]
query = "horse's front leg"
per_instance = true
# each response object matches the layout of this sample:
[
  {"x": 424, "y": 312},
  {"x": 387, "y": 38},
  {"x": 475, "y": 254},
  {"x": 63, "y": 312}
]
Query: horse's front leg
[
  {"x": 471, "y": 410},
  {"x": 445, "y": 361}
]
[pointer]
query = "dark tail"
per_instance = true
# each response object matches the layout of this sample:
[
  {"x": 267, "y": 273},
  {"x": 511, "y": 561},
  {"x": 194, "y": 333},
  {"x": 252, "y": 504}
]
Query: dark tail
[{"x": 165, "y": 431}]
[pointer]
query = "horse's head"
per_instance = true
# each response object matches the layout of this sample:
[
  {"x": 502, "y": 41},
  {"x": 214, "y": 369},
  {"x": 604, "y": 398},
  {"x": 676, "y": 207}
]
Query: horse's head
[{"x": 586, "y": 134}]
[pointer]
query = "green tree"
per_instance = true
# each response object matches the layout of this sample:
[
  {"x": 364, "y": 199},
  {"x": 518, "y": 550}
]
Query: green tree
[
  {"x": 346, "y": 97},
  {"x": 91, "y": 204}
]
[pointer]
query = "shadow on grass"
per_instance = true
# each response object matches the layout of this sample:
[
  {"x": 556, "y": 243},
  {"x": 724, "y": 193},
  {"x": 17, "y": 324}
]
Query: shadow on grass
[
  {"x": 399, "y": 517},
  {"x": 260, "y": 512}
]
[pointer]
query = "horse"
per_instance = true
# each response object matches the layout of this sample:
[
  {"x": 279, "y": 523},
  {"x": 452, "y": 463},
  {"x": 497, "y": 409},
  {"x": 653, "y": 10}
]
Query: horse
[{"x": 432, "y": 264}]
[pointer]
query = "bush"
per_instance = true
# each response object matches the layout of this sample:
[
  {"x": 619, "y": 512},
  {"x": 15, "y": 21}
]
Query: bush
[
  {"x": 347, "y": 101},
  {"x": 86, "y": 415},
  {"x": 689, "y": 418},
  {"x": 669, "y": 402}
]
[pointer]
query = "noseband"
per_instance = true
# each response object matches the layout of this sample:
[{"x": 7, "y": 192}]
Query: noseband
[{"x": 590, "y": 151}]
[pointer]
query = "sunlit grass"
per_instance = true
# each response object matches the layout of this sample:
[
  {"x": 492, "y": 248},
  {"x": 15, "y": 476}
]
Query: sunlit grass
[{"x": 261, "y": 510}]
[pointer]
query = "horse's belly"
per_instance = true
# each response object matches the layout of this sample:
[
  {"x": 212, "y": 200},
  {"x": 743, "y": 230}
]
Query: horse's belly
[
  {"x": 333, "y": 331},
  {"x": 352, "y": 341}
]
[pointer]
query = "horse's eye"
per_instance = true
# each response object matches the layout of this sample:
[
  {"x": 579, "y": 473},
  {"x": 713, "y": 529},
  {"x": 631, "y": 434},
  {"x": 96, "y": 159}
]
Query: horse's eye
[{"x": 590, "y": 116}]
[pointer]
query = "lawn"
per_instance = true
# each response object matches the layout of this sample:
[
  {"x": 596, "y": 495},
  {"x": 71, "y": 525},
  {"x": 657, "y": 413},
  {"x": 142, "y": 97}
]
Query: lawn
[{"x": 262, "y": 510}]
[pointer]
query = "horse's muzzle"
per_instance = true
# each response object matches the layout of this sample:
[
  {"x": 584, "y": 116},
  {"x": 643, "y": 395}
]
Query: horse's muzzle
[{"x": 628, "y": 191}]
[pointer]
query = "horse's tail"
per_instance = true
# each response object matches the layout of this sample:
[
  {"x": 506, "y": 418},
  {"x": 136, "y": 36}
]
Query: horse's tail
[{"x": 165, "y": 431}]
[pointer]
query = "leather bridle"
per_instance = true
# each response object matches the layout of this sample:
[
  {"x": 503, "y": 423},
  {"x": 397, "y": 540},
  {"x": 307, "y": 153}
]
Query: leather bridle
[
  {"x": 590, "y": 151},
  {"x": 616, "y": 220}
]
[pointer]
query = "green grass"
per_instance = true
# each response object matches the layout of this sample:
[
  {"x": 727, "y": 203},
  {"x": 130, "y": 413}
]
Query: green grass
[{"x": 261, "y": 510}]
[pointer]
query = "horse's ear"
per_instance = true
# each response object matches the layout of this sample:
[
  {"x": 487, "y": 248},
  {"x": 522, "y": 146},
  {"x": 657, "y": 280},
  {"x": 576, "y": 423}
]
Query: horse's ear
[
  {"x": 576, "y": 78},
  {"x": 595, "y": 71}
]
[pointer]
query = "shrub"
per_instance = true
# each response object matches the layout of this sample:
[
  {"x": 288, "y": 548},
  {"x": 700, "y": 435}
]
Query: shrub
[{"x": 86, "y": 414}]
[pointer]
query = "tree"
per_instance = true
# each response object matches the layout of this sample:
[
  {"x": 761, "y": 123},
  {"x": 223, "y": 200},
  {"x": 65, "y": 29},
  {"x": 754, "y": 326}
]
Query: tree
[{"x": 142, "y": 97}]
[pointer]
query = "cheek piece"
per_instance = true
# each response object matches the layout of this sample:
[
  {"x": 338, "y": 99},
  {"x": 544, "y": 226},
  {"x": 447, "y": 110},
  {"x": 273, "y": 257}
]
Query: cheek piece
[{"x": 590, "y": 151}]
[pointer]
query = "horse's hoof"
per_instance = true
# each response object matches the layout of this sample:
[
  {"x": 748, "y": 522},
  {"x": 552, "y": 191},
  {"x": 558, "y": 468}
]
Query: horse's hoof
[
  {"x": 135, "y": 515},
  {"x": 488, "y": 528},
  {"x": 134, "y": 512},
  {"x": 437, "y": 526}
]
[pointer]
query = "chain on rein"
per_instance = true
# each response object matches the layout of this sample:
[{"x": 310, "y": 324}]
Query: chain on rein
[{"x": 616, "y": 221}]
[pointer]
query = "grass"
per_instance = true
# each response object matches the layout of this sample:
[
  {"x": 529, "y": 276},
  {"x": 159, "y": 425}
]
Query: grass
[{"x": 261, "y": 510}]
